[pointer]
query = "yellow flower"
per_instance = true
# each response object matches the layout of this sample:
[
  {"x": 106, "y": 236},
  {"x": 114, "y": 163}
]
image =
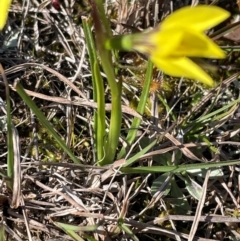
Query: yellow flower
[
  {"x": 179, "y": 36},
  {"x": 4, "y": 7}
]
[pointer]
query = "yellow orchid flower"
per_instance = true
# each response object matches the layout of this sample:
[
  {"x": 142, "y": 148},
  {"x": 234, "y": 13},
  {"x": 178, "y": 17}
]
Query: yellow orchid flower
[
  {"x": 179, "y": 36},
  {"x": 4, "y": 7}
]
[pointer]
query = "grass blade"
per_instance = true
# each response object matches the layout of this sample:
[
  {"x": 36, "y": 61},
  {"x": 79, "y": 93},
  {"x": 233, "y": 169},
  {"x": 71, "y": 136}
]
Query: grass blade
[
  {"x": 44, "y": 121},
  {"x": 179, "y": 168},
  {"x": 140, "y": 109},
  {"x": 98, "y": 92}
]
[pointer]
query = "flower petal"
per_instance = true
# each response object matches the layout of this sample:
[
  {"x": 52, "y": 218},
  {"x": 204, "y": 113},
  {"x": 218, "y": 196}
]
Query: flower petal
[
  {"x": 4, "y": 6},
  {"x": 195, "y": 44},
  {"x": 182, "y": 67},
  {"x": 163, "y": 43},
  {"x": 201, "y": 17},
  {"x": 179, "y": 42}
]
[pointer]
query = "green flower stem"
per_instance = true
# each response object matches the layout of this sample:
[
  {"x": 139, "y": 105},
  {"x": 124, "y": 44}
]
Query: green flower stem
[
  {"x": 103, "y": 32},
  {"x": 116, "y": 114},
  {"x": 120, "y": 42}
]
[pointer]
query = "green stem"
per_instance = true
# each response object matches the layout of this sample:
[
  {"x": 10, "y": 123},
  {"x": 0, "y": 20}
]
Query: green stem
[
  {"x": 120, "y": 43},
  {"x": 103, "y": 33}
]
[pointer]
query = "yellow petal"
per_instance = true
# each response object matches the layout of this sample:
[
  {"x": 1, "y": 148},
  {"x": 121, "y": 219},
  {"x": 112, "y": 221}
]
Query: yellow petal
[
  {"x": 201, "y": 17},
  {"x": 4, "y": 6},
  {"x": 178, "y": 42},
  {"x": 182, "y": 67},
  {"x": 159, "y": 42},
  {"x": 195, "y": 44}
]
